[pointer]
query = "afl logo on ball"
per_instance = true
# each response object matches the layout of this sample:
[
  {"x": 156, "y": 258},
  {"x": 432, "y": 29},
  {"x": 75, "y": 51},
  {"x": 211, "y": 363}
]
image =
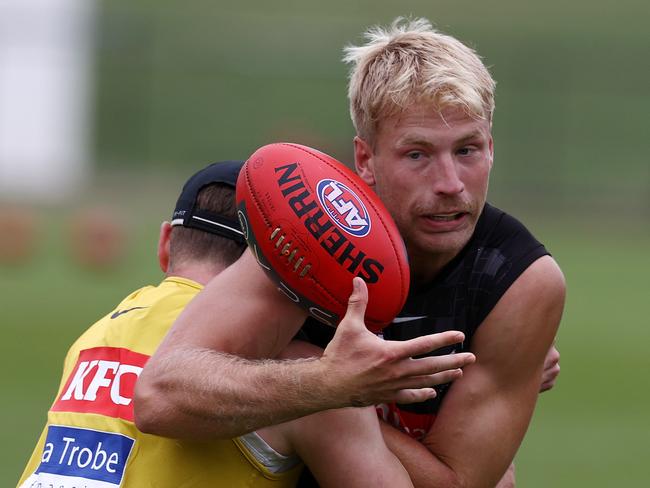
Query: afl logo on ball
[{"x": 344, "y": 207}]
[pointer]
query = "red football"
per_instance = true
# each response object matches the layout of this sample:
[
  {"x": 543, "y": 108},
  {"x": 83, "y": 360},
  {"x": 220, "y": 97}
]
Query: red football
[{"x": 313, "y": 225}]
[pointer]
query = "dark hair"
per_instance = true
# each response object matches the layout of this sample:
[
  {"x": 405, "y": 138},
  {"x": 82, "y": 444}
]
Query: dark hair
[{"x": 187, "y": 244}]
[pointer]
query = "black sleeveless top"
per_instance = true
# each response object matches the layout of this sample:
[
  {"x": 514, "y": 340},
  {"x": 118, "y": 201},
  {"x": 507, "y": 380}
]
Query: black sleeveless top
[
  {"x": 462, "y": 294},
  {"x": 467, "y": 289}
]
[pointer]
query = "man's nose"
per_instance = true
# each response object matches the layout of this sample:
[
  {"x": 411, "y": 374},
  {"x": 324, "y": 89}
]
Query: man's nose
[{"x": 446, "y": 179}]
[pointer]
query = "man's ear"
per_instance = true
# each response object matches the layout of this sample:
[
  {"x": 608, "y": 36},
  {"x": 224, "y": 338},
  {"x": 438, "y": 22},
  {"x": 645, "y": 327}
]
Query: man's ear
[
  {"x": 163, "y": 246},
  {"x": 363, "y": 163},
  {"x": 491, "y": 148}
]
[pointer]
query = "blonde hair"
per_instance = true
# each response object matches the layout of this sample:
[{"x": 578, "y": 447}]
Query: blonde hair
[{"x": 411, "y": 63}]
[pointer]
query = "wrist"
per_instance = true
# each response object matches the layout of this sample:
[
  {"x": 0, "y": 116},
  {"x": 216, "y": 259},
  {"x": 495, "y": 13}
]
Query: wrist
[{"x": 322, "y": 386}]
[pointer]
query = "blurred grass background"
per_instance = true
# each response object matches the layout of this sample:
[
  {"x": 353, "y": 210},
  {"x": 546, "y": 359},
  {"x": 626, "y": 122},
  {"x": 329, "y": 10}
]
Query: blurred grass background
[{"x": 180, "y": 85}]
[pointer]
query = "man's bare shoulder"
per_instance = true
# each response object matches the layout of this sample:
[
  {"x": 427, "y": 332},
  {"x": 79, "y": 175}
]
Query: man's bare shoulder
[
  {"x": 542, "y": 281},
  {"x": 525, "y": 320}
]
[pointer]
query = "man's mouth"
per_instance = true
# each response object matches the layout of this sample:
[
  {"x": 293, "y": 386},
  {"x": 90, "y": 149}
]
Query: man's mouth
[{"x": 446, "y": 217}]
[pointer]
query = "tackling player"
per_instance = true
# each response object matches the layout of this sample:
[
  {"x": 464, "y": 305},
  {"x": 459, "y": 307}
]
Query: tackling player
[{"x": 90, "y": 438}]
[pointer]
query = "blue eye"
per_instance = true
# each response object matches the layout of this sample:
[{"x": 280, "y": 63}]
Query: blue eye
[{"x": 414, "y": 155}]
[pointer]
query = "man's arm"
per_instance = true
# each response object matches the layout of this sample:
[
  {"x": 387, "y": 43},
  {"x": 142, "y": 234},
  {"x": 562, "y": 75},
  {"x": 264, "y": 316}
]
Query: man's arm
[
  {"x": 403, "y": 444},
  {"x": 485, "y": 414},
  {"x": 199, "y": 383},
  {"x": 344, "y": 447}
]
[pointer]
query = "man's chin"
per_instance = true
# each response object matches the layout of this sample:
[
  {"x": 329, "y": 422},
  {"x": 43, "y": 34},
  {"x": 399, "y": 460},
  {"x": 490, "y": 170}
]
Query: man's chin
[{"x": 443, "y": 243}]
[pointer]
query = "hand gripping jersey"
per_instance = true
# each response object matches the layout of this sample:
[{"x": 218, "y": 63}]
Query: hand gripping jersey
[
  {"x": 460, "y": 298},
  {"x": 90, "y": 440}
]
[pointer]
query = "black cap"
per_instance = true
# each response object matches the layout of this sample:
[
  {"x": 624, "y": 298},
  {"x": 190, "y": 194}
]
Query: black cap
[{"x": 186, "y": 213}]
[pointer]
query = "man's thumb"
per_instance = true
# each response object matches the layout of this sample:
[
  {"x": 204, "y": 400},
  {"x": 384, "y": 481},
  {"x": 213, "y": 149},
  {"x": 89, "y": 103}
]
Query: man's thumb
[{"x": 358, "y": 300}]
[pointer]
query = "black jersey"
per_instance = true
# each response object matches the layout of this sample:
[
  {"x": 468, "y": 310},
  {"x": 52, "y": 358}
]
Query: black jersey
[
  {"x": 459, "y": 298},
  {"x": 464, "y": 292}
]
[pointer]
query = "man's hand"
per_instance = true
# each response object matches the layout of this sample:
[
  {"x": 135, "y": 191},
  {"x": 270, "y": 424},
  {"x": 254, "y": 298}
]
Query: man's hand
[
  {"x": 367, "y": 370},
  {"x": 551, "y": 369}
]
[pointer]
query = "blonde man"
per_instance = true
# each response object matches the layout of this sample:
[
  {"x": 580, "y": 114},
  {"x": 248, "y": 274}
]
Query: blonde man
[{"x": 422, "y": 104}]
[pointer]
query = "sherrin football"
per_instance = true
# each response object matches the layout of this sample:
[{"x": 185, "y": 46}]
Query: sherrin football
[{"x": 313, "y": 225}]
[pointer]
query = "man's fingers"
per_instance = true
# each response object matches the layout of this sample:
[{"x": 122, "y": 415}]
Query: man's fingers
[
  {"x": 552, "y": 357},
  {"x": 415, "y": 395},
  {"x": 419, "y": 388},
  {"x": 546, "y": 386},
  {"x": 549, "y": 377},
  {"x": 551, "y": 369},
  {"x": 425, "y": 344},
  {"x": 436, "y": 364},
  {"x": 431, "y": 380}
]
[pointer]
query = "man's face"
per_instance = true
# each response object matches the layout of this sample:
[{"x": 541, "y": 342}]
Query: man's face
[{"x": 431, "y": 172}]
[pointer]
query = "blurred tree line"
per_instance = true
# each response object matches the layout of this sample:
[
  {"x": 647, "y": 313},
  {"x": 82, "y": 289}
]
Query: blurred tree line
[{"x": 187, "y": 83}]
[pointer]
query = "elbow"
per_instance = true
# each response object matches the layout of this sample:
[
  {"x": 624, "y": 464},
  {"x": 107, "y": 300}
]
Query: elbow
[
  {"x": 147, "y": 424},
  {"x": 148, "y": 413},
  {"x": 154, "y": 408}
]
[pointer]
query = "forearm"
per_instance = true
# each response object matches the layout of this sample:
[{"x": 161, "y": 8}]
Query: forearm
[
  {"x": 180, "y": 399},
  {"x": 424, "y": 468},
  {"x": 201, "y": 393}
]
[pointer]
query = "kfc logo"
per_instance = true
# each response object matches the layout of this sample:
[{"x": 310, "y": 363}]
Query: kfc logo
[{"x": 102, "y": 382}]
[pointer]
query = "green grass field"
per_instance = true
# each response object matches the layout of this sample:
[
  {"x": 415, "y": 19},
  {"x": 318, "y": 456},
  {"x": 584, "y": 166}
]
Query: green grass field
[{"x": 591, "y": 430}]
